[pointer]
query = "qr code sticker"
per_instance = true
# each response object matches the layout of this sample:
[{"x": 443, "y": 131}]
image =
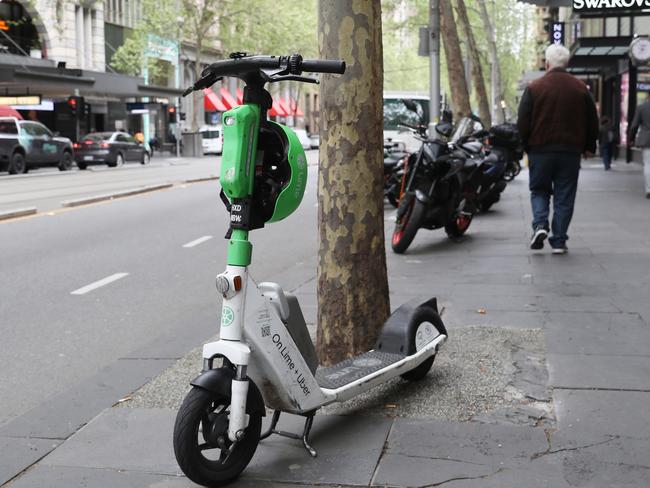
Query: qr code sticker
[{"x": 266, "y": 331}]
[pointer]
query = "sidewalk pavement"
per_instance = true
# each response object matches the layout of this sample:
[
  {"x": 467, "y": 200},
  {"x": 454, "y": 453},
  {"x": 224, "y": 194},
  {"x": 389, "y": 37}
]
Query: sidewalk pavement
[{"x": 564, "y": 342}]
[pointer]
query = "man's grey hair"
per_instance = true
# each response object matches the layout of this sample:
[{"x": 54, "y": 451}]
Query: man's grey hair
[{"x": 557, "y": 56}]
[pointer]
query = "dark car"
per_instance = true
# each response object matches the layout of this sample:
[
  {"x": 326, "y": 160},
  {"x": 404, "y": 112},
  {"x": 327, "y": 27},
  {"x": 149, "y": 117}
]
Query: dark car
[
  {"x": 111, "y": 148},
  {"x": 25, "y": 144}
]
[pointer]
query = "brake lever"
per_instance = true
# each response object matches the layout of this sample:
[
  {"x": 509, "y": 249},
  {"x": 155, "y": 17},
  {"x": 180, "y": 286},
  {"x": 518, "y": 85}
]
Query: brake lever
[
  {"x": 203, "y": 82},
  {"x": 304, "y": 79}
]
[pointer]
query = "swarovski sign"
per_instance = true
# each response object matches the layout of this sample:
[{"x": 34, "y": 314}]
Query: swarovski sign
[{"x": 586, "y": 5}]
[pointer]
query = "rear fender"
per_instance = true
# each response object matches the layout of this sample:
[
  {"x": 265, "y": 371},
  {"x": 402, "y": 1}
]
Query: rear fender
[
  {"x": 396, "y": 332},
  {"x": 219, "y": 381}
]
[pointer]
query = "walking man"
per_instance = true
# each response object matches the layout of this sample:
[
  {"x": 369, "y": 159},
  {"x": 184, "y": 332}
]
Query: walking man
[
  {"x": 557, "y": 122},
  {"x": 642, "y": 120}
]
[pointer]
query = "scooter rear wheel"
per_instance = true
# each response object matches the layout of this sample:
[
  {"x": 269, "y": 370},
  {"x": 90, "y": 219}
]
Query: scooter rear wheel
[
  {"x": 201, "y": 443},
  {"x": 425, "y": 326}
]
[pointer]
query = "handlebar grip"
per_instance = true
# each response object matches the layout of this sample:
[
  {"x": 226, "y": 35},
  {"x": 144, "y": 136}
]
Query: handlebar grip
[{"x": 323, "y": 66}]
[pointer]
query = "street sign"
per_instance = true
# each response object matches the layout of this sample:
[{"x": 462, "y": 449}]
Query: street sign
[{"x": 557, "y": 33}]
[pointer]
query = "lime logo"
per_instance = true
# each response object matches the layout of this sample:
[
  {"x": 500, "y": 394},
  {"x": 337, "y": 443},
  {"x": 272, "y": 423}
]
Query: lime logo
[
  {"x": 301, "y": 160},
  {"x": 227, "y": 316}
]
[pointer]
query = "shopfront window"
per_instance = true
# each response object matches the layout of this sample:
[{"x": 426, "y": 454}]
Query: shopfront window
[
  {"x": 592, "y": 28},
  {"x": 20, "y": 36},
  {"x": 642, "y": 25},
  {"x": 625, "y": 27},
  {"x": 611, "y": 26}
]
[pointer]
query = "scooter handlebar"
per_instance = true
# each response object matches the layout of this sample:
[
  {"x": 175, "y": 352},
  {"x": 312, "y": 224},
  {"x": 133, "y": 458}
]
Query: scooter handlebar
[{"x": 323, "y": 66}]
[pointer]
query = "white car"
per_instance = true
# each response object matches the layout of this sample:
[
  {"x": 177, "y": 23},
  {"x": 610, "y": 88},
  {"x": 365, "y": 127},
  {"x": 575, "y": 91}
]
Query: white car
[
  {"x": 303, "y": 138},
  {"x": 212, "y": 139},
  {"x": 395, "y": 113}
]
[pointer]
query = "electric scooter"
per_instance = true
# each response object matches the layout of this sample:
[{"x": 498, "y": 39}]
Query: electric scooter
[{"x": 267, "y": 357}]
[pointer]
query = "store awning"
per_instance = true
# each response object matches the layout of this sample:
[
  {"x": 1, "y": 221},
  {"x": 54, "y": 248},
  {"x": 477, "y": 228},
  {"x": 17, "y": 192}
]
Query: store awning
[
  {"x": 284, "y": 106},
  {"x": 295, "y": 109},
  {"x": 227, "y": 98},
  {"x": 212, "y": 102},
  {"x": 240, "y": 96},
  {"x": 57, "y": 81},
  {"x": 276, "y": 110}
]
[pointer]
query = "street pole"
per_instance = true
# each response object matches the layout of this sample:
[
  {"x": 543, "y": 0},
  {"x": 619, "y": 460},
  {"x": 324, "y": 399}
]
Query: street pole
[{"x": 434, "y": 64}]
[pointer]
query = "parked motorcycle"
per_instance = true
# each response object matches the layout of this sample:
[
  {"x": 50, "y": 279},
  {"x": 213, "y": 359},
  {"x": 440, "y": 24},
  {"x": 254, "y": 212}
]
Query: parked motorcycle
[{"x": 436, "y": 190}]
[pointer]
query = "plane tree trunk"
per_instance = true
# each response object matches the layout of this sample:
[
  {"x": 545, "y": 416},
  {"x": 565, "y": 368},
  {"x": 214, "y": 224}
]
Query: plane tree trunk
[{"x": 352, "y": 282}]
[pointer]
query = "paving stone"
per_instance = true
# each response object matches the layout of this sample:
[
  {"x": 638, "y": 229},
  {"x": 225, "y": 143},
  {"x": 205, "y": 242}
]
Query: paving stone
[
  {"x": 62, "y": 415},
  {"x": 67, "y": 477},
  {"x": 454, "y": 317},
  {"x": 620, "y": 334},
  {"x": 17, "y": 454},
  {"x": 428, "y": 453},
  {"x": 608, "y": 372},
  {"x": 596, "y": 413},
  {"x": 348, "y": 451},
  {"x": 141, "y": 440},
  {"x": 512, "y": 478}
]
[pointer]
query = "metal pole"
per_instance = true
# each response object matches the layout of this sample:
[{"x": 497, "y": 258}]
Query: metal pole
[{"x": 434, "y": 64}]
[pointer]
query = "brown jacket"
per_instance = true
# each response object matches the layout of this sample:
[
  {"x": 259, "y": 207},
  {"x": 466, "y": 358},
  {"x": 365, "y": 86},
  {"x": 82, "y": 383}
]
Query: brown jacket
[{"x": 558, "y": 114}]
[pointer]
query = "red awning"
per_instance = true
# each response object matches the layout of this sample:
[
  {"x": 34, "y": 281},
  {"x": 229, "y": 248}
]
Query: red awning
[
  {"x": 276, "y": 110},
  {"x": 227, "y": 98},
  {"x": 284, "y": 106},
  {"x": 7, "y": 111},
  {"x": 212, "y": 102},
  {"x": 295, "y": 109},
  {"x": 240, "y": 96}
]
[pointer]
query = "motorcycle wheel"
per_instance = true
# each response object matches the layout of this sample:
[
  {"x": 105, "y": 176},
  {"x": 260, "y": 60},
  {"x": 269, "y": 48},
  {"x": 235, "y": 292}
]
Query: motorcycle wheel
[
  {"x": 459, "y": 225},
  {"x": 392, "y": 199},
  {"x": 407, "y": 225},
  {"x": 201, "y": 423},
  {"x": 487, "y": 203}
]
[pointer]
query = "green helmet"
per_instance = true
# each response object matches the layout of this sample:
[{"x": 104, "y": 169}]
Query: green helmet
[{"x": 280, "y": 183}]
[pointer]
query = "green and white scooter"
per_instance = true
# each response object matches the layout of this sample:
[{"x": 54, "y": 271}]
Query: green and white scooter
[{"x": 266, "y": 355}]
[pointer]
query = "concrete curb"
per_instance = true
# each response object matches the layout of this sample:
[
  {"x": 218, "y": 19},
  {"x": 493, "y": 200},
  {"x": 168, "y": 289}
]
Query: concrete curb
[
  {"x": 17, "y": 212},
  {"x": 199, "y": 180},
  {"x": 112, "y": 196}
]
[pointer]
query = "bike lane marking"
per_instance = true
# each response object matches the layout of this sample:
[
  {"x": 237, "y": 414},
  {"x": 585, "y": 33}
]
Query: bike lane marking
[
  {"x": 198, "y": 241},
  {"x": 99, "y": 283}
]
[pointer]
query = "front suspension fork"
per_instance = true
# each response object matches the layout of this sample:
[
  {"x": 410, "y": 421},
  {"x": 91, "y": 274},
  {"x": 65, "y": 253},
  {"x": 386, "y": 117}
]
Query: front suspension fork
[{"x": 238, "y": 418}]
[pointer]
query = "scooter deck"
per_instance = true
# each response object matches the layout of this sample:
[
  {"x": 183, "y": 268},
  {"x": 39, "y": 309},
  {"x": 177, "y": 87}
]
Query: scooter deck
[{"x": 355, "y": 368}]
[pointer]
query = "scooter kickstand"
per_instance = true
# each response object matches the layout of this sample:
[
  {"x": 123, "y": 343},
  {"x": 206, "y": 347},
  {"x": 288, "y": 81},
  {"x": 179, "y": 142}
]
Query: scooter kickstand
[
  {"x": 309, "y": 420},
  {"x": 274, "y": 423},
  {"x": 305, "y": 436}
]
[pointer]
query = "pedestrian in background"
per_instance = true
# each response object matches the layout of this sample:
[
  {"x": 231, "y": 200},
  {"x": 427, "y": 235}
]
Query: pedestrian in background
[
  {"x": 606, "y": 141},
  {"x": 642, "y": 121},
  {"x": 557, "y": 122}
]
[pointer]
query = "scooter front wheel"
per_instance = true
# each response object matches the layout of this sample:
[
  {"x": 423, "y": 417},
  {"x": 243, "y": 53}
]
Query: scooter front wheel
[{"x": 201, "y": 444}]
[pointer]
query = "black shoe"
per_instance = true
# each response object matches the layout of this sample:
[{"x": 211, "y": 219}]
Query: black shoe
[
  {"x": 560, "y": 250},
  {"x": 540, "y": 235}
]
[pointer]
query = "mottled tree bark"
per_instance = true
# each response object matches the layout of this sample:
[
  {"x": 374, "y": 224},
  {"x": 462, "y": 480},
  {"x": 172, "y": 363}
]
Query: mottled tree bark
[
  {"x": 497, "y": 113},
  {"x": 455, "y": 65},
  {"x": 352, "y": 282},
  {"x": 477, "y": 70}
]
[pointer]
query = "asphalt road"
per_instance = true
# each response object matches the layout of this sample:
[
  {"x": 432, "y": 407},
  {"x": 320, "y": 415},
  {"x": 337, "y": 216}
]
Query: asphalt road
[
  {"x": 46, "y": 188},
  {"x": 130, "y": 278}
]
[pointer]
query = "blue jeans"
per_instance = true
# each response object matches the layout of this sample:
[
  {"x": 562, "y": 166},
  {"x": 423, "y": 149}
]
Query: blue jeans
[
  {"x": 606, "y": 152},
  {"x": 553, "y": 174}
]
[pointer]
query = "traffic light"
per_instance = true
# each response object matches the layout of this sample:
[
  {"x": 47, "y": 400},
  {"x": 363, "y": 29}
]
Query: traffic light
[
  {"x": 171, "y": 111},
  {"x": 77, "y": 106}
]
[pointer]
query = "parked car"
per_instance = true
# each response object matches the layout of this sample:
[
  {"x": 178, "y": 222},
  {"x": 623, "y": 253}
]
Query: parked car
[
  {"x": 212, "y": 139},
  {"x": 314, "y": 139},
  {"x": 303, "y": 138},
  {"x": 25, "y": 144},
  {"x": 111, "y": 148}
]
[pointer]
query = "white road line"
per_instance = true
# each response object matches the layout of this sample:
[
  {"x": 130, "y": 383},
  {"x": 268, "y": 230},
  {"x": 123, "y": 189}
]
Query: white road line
[
  {"x": 198, "y": 241},
  {"x": 99, "y": 284}
]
